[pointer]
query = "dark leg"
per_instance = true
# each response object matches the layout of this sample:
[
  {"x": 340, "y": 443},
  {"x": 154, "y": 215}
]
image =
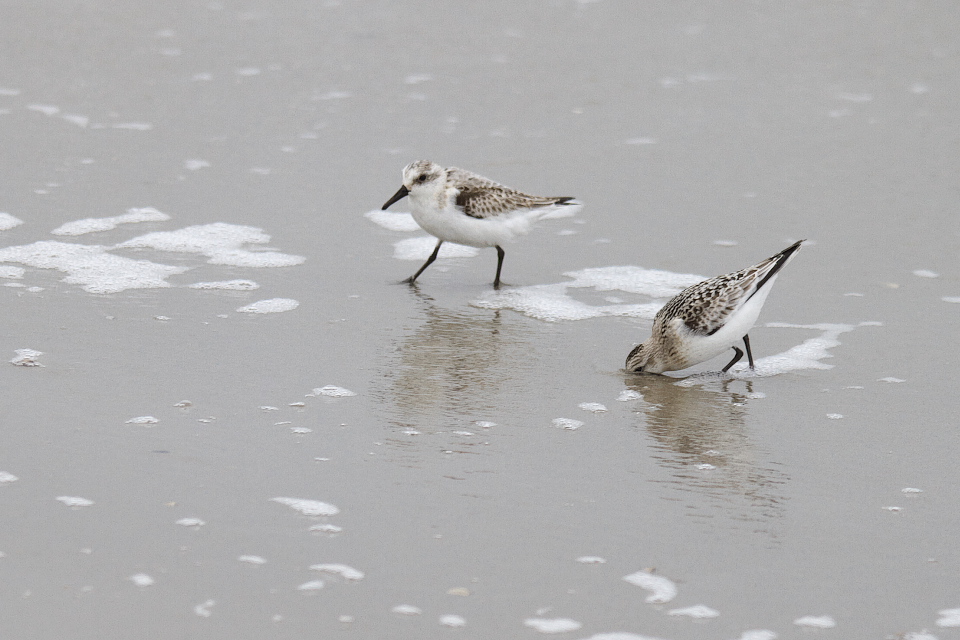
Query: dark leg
[
  {"x": 746, "y": 343},
  {"x": 735, "y": 360},
  {"x": 433, "y": 256},
  {"x": 500, "y": 254}
]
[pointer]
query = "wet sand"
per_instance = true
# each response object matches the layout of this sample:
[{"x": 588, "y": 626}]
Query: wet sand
[{"x": 700, "y": 139}]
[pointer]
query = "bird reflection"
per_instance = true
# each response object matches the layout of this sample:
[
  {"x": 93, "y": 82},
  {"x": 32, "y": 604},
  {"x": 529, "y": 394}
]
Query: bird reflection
[
  {"x": 452, "y": 367},
  {"x": 704, "y": 424}
]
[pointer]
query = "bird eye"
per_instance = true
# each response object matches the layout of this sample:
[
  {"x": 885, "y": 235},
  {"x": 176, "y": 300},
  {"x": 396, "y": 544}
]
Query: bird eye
[{"x": 422, "y": 177}]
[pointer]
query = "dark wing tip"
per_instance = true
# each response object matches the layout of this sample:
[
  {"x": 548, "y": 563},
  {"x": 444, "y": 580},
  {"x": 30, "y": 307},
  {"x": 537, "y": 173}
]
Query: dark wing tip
[{"x": 565, "y": 200}]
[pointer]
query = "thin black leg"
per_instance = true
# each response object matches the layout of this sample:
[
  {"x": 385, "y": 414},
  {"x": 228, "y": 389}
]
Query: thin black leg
[
  {"x": 433, "y": 256},
  {"x": 500, "y": 254},
  {"x": 746, "y": 343},
  {"x": 735, "y": 360}
]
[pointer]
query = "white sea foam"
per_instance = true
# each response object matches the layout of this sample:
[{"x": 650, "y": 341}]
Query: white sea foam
[
  {"x": 133, "y": 126},
  {"x": 911, "y": 490},
  {"x": 407, "y": 610},
  {"x": 194, "y": 165},
  {"x": 807, "y": 355},
  {"x": 344, "y": 571},
  {"x": 393, "y": 220},
  {"x": 326, "y": 528},
  {"x": 273, "y": 305},
  {"x": 698, "y": 611},
  {"x": 309, "y": 507},
  {"x": 6, "y": 476},
  {"x": 552, "y": 625},
  {"x": 12, "y": 273},
  {"x": 331, "y": 391},
  {"x": 8, "y": 221},
  {"x": 953, "y": 299},
  {"x": 6, "y": 91},
  {"x": 661, "y": 589},
  {"x": 258, "y": 560},
  {"x": 420, "y": 249},
  {"x": 553, "y": 302},
  {"x": 817, "y": 622},
  {"x": 91, "y": 266},
  {"x": 221, "y": 242},
  {"x": 629, "y": 394},
  {"x": 142, "y": 420},
  {"x": 26, "y": 358},
  {"x": 73, "y": 118},
  {"x": 567, "y": 423},
  {"x": 452, "y": 620},
  {"x": 227, "y": 285},
  {"x": 203, "y": 609},
  {"x": 591, "y": 560},
  {"x": 926, "y": 273},
  {"x": 75, "y": 501},
  {"x": 891, "y": 379},
  {"x": 45, "y": 109},
  {"x": 619, "y": 635},
  {"x": 312, "y": 585},
  {"x": 142, "y": 580},
  {"x": 949, "y": 618},
  {"x": 758, "y": 634},
  {"x": 595, "y": 407},
  {"x": 190, "y": 522},
  {"x": 92, "y": 225}
]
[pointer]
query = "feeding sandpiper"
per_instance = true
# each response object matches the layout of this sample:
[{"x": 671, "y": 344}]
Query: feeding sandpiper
[
  {"x": 707, "y": 318},
  {"x": 459, "y": 206}
]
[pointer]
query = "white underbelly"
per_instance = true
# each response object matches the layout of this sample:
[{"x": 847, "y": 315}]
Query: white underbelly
[{"x": 450, "y": 225}]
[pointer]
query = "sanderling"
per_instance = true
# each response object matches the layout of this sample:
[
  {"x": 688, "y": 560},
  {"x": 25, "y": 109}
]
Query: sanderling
[
  {"x": 707, "y": 318},
  {"x": 459, "y": 206}
]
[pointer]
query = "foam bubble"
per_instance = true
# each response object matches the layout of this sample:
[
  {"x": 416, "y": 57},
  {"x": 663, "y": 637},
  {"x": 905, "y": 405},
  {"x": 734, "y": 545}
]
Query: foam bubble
[
  {"x": 227, "y": 285},
  {"x": 326, "y": 528},
  {"x": 817, "y": 622},
  {"x": 407, "y": 610},
  {"x": 331, "y": 391},
  {"x": 949, "y": 618},
  {"x": 591, "y": 560},
  {"x": 26, "y": 358},
  {"x": 6, "y": 477},
  {"x": 142, "y": 580},
  {"x": 8, "y": 221},
  {"x": 252, "y": 559},
  {"x": 92, "y": 225},
  {"x": 194, "y": 165},
  {"x": 45, "y": 109},
  {"x": 273, "y": 305},
  {"x": 835, "y": 416},
  {"x": 190, "y": 522},
  {"x": 911, "y": 490},
  {"x": 553, "y": 303},
  {"x": 312, "y": 585},
  {"x": 595, "y": 407},
  {"x": 629, "y": 394},
  {"x": 452, "y": 620},
  {"x": 661, "y": 589},
  {"x": 953, "y": 299},
  {"x": 393, "y": 220},
  {"x": 75, "y": 501},
  {"x": 926, "y": 273},
  {"x": 567, "y": 423},
  {"x": 698, "y": 611},
  {"x": 758, "y": 634},
  {"x": 309, "y": 507},
  {"x": 142, "y": 420},
  {"x": 221, "y": 242},
  {"x": 421, "y": 248},
  {"x": 91, "y": 266},
  {"x": 891, "y": 379},
  {"x": 345, "y": 571},
  {"x": 203, "y": 609},
  {"x": 13, "y": 273},
  {"x": 619, "y": 635},
  {"x": 552, "y": 625}
]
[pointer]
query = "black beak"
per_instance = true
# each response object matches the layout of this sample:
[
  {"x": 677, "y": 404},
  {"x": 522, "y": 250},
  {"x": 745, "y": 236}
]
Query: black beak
[{"x": 399, "y": 195}]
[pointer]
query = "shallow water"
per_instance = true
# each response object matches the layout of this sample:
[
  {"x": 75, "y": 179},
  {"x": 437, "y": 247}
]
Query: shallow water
[{"x": 228, "y": 420}]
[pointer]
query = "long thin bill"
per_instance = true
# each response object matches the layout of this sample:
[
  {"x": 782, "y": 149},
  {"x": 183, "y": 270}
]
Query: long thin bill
[{"x": 399, "y": 195}]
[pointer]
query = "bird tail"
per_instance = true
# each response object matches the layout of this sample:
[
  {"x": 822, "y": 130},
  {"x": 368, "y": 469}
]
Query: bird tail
[{"x": 773, "y": 264}]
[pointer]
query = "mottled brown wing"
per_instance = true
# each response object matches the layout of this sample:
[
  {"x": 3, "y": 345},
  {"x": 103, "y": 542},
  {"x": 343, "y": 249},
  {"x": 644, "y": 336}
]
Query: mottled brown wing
[
  {"x": 705, "y": 306},
  {"x": 481, "y": 197}
]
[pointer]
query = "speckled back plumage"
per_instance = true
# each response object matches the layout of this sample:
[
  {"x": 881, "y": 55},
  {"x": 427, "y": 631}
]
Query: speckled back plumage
[
  {"x": 481, "y": 197},
  {"x": 705, "y": 306}
]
